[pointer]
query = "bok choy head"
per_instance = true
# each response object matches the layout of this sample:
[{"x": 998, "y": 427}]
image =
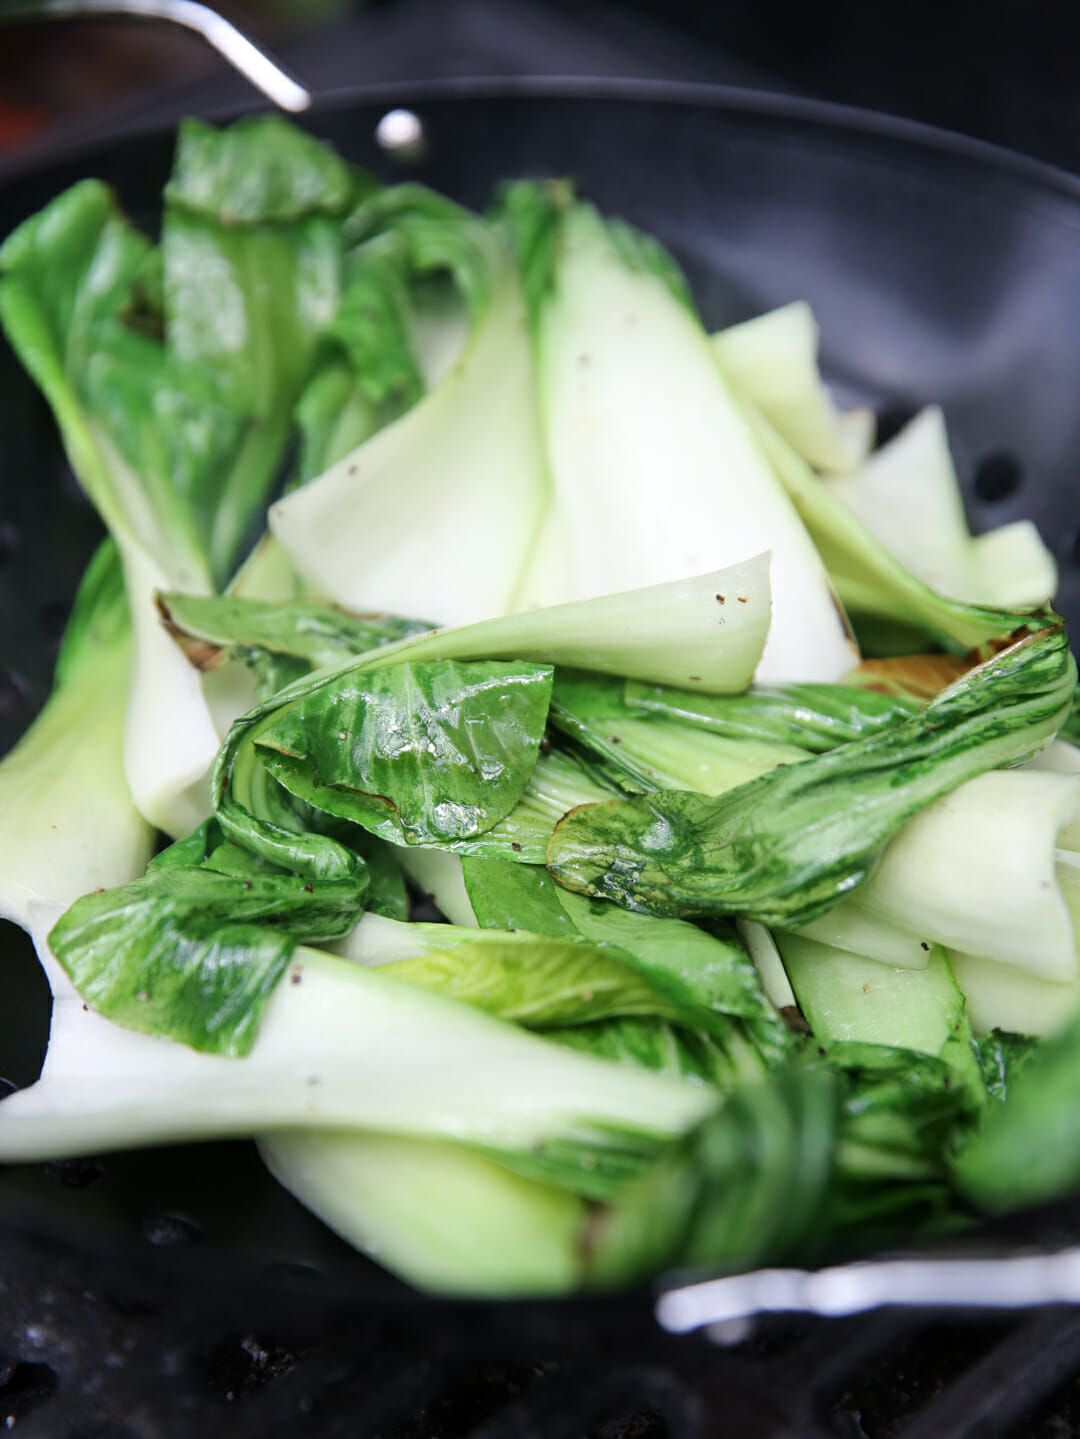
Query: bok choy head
[{"x": 173, "y": 371}]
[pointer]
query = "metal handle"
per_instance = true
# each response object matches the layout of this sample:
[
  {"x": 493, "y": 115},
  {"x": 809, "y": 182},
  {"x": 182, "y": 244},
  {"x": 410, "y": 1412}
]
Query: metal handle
[
  {"x": 1016, "y": 1282},
  {"x": 243, "y": 54}
]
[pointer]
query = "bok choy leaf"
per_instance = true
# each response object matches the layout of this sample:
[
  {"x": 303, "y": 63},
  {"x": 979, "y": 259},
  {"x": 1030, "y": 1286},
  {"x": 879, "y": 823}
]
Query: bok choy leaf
[
  {"x": 420, "y": 753},
  {"x": 193, "y": 949},
  {"x": 785, "y": 847}
]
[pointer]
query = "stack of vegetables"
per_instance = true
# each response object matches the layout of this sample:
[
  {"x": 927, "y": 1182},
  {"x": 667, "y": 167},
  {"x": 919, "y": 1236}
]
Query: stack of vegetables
[{"x": 752, "y": 943}]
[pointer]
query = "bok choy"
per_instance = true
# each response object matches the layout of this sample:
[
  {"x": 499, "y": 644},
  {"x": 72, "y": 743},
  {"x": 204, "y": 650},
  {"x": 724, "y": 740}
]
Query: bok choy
[{"x": 547, "y": 623}]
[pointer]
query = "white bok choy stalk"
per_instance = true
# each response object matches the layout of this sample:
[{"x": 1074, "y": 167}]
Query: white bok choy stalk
[
  {"x": 979, "y": 871},
  {"x": 433, "y": 516},
  {"x": 69, "y": 822},
  {"x": 772, "y": 361},
  {"x": 703, "y": 633},
  {"x": 762, "y": 949},
  {"x": 869, "y": 578},
  {"x": 339, "y": 1047},
  {"x": 1003, "y": 997},
  {"x": 655, "y": 473},
  {"x": 443, "y": 1218},
  {"x": 908, "y": 496}
]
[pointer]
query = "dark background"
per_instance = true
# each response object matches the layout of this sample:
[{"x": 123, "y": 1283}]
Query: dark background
[{"x": 1007, "y": 73}]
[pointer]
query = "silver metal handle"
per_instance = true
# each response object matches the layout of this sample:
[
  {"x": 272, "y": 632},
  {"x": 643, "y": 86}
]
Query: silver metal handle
[
  {"x": 1016, "y": 1282},
  {"x": 243, "y": 54}
]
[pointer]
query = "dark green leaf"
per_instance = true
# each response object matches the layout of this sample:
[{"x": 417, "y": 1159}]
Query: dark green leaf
[
  {"x": 783, "y": 848},
  {"x": 509, "y": 896},
  {"x": 254, "y": 258},
  {"x": 250, "y": 808},
  {"x": 69, "y": 278},
  {"x": 420, "y": 753},
  {"x": 815, "y": 717},
  {"x": 1028, "y": 1150},
  {"x": 647, "y": 1043},
  {"x": 1002, "y": 1057},
  {"x": 436, "y": 234},
  {"x": 387, "y": 893},
  {"x": 193, "y": 953},
  {"x": 709, "y": 972},
  {"x": 528, "y": 212},
  {"x": 261, "y": 171}
]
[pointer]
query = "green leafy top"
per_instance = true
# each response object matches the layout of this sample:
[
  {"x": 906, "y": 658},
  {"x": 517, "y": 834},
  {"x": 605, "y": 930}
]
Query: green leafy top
[{"x": 261, "y": 171}]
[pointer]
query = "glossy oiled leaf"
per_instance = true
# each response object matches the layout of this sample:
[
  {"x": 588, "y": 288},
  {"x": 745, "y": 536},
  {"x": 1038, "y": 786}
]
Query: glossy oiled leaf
[
  {"x": 784, "y": 847},
  {"x": 192, "y": 953},
  {"x": 813, "y": 717},
  {"x": 1002, "y": 1057},
  {"x": 415, "y": 752},
  {"x": 558, "y": 783}
]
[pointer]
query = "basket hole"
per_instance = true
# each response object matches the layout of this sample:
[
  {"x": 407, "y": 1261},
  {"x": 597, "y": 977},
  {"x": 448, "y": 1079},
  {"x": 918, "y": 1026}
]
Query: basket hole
[
  {"x": 12, "y": 694},
  {"x": 998, "y": 475},
  {"x": 891, "y": 420},
  {"x": 51, "y": 620},
  {"x": 293, "y": 1271},
  {"x": 170, "y": 1229},
  {"x": 236, "y": 1366},
  {"x": 74, "y": 1173},
  {"x": 25, "y": 1014},
  {"x": 24, "y": 1388}
]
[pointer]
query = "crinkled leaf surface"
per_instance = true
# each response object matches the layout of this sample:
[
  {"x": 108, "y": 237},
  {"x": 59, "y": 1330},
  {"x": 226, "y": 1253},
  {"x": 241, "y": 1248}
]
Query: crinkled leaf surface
[
  {"x": 420, "y": 752},
  {"x": 536, "y": 980},
  {"x": 192, "y": 953},
  {"x": 786, "y": 846}
]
